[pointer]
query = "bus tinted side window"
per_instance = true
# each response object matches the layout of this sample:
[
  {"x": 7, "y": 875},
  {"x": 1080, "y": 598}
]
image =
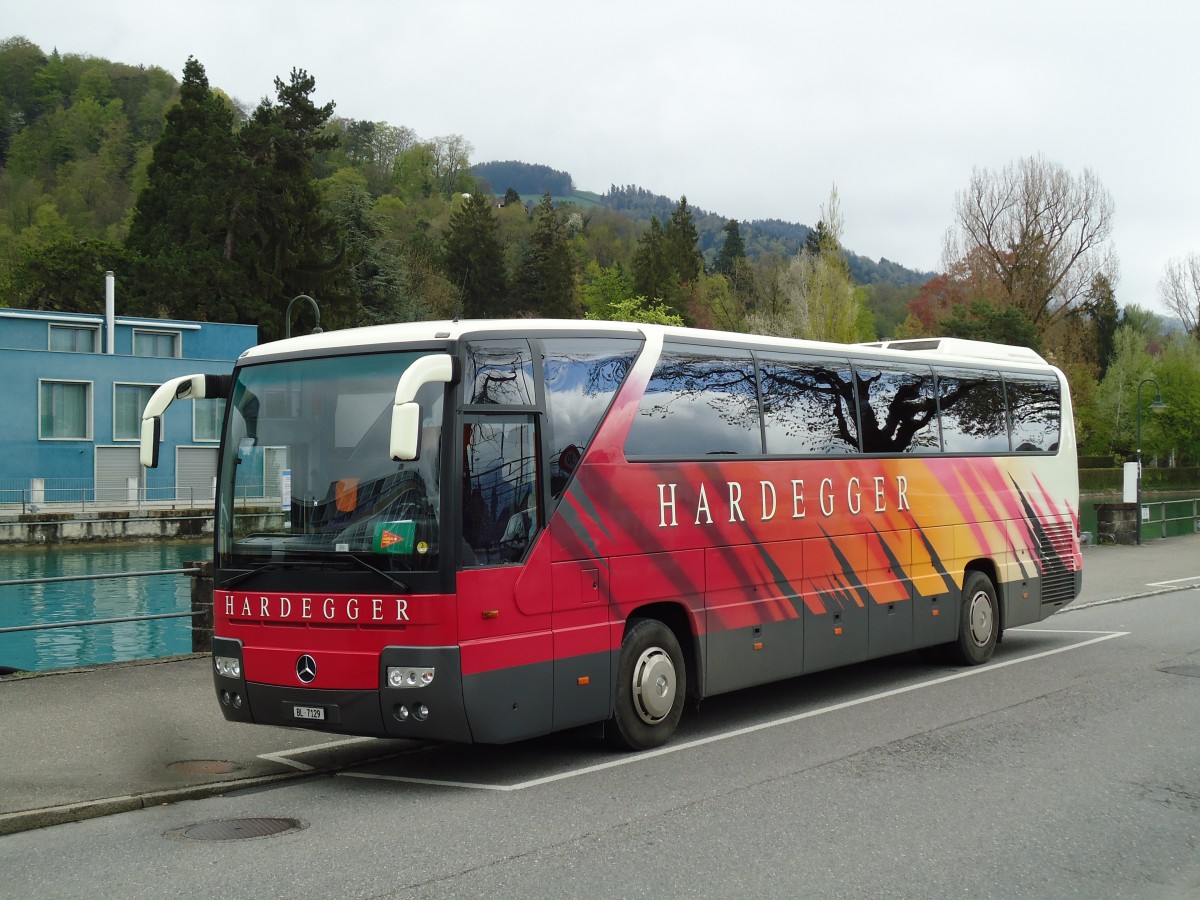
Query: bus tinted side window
[
  {"x": 898, "y": 408},
  {"x": 808, "y": 407},
  {"x": 1035, "y": 410},
  {"x": 972, "y": 407},
  {"x": 499, "y": 372},
  {"x": 581, "y": 376},
  {"x": 698, "y": 403}
]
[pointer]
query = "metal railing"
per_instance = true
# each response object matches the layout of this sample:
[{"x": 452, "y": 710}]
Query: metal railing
[
  {"x": 81, "y": 494},
  {"x": 1169, "y": 518},
  {"x": 193, "y": 571}
]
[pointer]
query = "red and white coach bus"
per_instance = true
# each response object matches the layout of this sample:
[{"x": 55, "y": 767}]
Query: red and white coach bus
[{"x": 486, "y": 531}]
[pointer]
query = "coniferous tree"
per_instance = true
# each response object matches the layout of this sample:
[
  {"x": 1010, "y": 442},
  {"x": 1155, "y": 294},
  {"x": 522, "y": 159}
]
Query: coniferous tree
[
  {"x": 182, "y": 216},
  {"x": 279, "y": 233},
  {"x": 653, "y": 275},
  {"x": 732, "y": 251},
  {"x": 475, "y": 259},
  {"x": 230, "y": 226},
  {"x": 681, "y": 244},
  {"x": 545, "y": 281}
]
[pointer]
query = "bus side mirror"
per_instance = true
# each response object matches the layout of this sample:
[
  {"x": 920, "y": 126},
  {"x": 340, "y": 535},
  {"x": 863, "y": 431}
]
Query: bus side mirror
[
  {"x": 151, "y": 436},
  {"x": 406, "y": 412},
  {"x": 185, "y": 387}
]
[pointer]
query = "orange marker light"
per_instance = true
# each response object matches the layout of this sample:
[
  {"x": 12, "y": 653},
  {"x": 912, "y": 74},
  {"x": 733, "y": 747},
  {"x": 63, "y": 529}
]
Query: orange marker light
[
  {"x": 837, "y": 630},
  {"x": 583, "y": 679},
  {"x": 758, "y": 645},
  {"x": 491, "y": 613}
]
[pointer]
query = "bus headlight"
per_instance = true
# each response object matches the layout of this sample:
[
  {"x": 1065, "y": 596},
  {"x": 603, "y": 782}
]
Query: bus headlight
[
  {"x": 409, "y": 676},
  {"x": 228, "y": 666}
]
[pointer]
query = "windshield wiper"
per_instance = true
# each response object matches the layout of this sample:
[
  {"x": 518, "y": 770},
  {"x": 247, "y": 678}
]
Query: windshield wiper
[
  {"x": 275, "y": 565},
  {"x": 366, "y": 565}
]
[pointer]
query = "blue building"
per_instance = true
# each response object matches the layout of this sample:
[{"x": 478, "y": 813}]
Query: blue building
[{"x": 73, "y": 390}]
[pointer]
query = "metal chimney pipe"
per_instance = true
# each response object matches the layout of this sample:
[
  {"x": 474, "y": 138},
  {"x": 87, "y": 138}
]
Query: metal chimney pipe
[{"x": 110, "y": 311}]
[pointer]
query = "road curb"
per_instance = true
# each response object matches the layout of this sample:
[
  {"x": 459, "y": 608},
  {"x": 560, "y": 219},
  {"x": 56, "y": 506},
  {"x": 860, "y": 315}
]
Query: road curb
[
  {"x": 1076, "y": 607},
  {"x": 29, "y": 820}
]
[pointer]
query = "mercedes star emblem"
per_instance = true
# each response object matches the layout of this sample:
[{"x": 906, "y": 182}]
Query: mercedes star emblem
[{"x": 306, "y": 668}]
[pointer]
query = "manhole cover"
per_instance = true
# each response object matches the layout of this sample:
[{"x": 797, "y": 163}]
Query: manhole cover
[
  {"x": 202, "y": 767},
  {"x": 1193, "y": 671},
  {"x": 237, "y": 829}
]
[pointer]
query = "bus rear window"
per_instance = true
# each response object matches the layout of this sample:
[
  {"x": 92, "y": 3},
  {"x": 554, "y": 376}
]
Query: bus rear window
[{"x": 1035, "y": 408}]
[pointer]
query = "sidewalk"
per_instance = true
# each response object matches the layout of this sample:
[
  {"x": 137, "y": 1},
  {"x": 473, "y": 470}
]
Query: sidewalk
[{"x": 90, "y": 742}]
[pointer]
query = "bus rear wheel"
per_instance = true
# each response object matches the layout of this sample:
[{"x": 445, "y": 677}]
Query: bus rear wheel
[
  {"x": 651, "y": 684},
  {"x": 978, "y": 621}
]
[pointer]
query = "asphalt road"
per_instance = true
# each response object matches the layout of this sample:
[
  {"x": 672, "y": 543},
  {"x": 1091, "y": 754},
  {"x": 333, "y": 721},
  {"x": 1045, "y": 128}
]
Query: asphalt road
[{"x": 1069, "y": 766}]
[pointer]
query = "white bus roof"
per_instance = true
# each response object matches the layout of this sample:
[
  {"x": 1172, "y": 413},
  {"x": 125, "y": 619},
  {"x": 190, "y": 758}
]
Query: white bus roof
[{"x": 947, "y": 349}]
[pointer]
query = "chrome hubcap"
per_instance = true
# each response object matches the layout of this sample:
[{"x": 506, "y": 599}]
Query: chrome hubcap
[
  {"x": 653, "y": 685},
  {"x": 981, "y": 618}
]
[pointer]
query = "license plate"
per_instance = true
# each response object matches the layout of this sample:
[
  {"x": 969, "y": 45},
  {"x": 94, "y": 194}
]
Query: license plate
[{"x": 312, "y": 713}]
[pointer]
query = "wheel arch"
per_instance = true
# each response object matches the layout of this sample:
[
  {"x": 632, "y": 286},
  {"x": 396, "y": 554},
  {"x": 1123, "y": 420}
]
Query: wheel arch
[
  {"x": 678, "y": 618},
  {"x": 987, "y": 566}
]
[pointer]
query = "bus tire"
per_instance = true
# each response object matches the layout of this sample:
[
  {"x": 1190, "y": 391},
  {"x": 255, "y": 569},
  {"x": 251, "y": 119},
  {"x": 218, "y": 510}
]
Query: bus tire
[
  {"x": 651, "y": 687},
  {"x": 978, "y": 621}
]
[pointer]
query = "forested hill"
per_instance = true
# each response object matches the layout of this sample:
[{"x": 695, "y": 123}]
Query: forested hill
[
  {"x": 110, "y": 166},
  {"x": 761, "y": 236}
]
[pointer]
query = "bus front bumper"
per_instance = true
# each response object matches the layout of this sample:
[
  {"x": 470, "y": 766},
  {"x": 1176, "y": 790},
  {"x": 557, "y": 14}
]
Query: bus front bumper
[{"x": 416, "y": 709}]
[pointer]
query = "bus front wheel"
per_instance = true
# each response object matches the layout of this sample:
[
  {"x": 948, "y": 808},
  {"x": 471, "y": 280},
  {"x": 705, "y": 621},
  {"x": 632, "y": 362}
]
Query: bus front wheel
[
  {"x": 651, "y": 684},
  {"x": 978, "y": 621}
]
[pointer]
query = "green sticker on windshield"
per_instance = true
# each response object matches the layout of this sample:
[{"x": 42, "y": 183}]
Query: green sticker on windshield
[{"x": 395, "y": 537}]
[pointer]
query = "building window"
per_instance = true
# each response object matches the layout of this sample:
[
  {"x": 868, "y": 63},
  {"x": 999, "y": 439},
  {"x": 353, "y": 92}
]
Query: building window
[
  {"x": 65, "y": 410},
  {"x": 206, "y": 419},
  {"x": 73, "y": 338},
  {"x": 156, "y": 343},
  {"x": 129, "y": 400}
]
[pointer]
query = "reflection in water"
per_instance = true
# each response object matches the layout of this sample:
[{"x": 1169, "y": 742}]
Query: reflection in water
[{"x": 60, "y": 648}]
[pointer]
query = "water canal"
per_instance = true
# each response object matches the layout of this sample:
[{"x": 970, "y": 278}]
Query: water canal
[{"x": 61, "y": 648}]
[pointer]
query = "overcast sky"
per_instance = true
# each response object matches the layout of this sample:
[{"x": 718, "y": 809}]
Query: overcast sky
[{"x": 752, "y": 109}]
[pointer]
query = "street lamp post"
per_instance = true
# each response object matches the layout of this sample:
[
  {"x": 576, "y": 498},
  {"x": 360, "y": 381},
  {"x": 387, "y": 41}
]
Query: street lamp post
[
  {"x": 1157, "y": 406},
  {"x": 287, "y": 324}
]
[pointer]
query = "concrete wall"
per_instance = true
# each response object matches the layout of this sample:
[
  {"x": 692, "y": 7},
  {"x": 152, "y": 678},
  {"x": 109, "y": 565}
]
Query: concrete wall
[{"x": 59, "y": 528}]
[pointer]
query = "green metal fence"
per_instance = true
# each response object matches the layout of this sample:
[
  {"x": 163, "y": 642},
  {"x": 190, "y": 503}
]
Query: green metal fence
[{"x": 1170, "y": 518}]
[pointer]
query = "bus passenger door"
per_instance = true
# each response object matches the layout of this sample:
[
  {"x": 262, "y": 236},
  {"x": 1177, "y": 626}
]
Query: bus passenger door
[
  {"x": 504, "y": 612},
  {"x": 582, "y": 656}
]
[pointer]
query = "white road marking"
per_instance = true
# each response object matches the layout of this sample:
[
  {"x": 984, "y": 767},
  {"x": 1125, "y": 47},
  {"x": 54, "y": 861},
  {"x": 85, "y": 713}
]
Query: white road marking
[
  {"x": 1172, "y": 581},
  {"x": 750, "y": 729},
  {"x": 282, "y": 756}
]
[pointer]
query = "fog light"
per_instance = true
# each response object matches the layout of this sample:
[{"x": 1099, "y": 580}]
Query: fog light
[
  {"x": 225, "y": 697},
  {"x": 401, "y": 712},
  {"x": 421, "y": 712},
  {"x": 409, "y": 676},
  {"x": 237, "y": 701}
]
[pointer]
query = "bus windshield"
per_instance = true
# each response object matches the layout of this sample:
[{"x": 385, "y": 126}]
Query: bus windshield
[{"x": 306, "y": 468}]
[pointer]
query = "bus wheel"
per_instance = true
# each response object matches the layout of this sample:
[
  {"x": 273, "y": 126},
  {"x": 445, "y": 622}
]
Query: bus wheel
[
  {"x": 979, "y": 622},
  {"x": 651, "y": 684}
]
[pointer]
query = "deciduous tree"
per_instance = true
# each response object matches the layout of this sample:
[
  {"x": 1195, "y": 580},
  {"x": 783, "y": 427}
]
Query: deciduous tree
[
  {"x": 1036, "y": 232},
  {"x": 1180, "y": 291}
]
